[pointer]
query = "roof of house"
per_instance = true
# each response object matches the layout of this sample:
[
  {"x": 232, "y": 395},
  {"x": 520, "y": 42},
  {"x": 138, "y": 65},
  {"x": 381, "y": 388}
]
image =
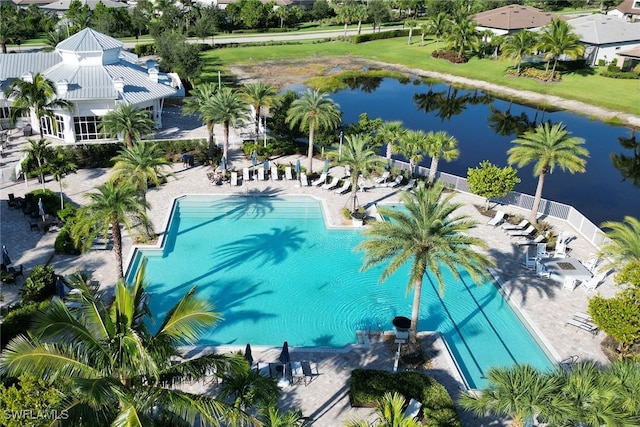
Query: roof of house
[
  {"x": 89, "y": 40},
  {"x": 64, "y": 4},
  {"x": 604, "y": 29},
  {"x": 15, "y": 65},
  {"x": 513, "y": 17},
  {"x": 632, "y": 53},
  {"x": 627, "y": 8}
]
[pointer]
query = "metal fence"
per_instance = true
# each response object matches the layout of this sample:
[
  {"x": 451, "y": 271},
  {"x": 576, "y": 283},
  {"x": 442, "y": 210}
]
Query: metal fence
[{"x": 548, "y": 208}]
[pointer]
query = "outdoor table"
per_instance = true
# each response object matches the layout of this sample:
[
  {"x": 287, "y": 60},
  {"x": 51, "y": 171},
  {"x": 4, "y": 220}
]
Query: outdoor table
[{"x": 566, "y": 267}]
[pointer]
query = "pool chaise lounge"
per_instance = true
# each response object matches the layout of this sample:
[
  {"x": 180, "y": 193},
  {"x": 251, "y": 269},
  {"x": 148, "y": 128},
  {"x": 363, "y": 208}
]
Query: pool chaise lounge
[
  {"x": 331, "y": 185},
  {"x": 497, "y": 219},
  {"x": 520, "y": 226}
]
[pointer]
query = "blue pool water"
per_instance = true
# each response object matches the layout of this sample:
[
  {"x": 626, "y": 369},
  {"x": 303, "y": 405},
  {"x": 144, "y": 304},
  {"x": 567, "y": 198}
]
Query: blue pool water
[{"x": 276, "y": 273}]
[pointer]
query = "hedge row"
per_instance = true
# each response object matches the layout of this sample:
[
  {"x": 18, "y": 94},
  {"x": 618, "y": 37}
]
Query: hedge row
[{"x": 361, "y": 38}]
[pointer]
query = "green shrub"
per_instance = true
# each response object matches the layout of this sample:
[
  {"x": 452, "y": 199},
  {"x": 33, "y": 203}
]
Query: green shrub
[
  {"x": 619, "y": 75},
  {"x": 637, "y": 69},
  {"x": 534, "y": 73},
  {"x": 64, "y": 243},
  {"x": 145, "y": 49},
  {"x": 68, "y": 213},
  {"x": 50, "y": 200},
  {"x": 40, "y": 285},
  {"x": 453, "y": 57},
  {"x": 361, "y": 38},
  {"x": 601, "y": 62},
  {"x": 18, "y": 320},
  {"x": 368, "y": 386}
]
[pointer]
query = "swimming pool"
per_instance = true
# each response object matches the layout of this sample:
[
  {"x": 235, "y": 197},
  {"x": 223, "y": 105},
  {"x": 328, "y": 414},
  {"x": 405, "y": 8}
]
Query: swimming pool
[{"x": 276, "y": 273}]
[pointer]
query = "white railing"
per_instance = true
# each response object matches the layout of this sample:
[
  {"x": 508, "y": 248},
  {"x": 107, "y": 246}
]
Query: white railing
[{"x": 548, "y": 208}]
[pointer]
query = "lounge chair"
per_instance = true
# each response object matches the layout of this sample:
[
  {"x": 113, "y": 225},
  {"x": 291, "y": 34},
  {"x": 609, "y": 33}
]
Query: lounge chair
[
  {"x": 304, "y": 181},
  {"x": 234, "y": 179},
  {"x": 396, "y": 182},
  {"x": 409, "y": 185},
  {"x": 331, "y": 185},
  {"x": 297, "y": 375},
  {"x": 593, "y": 283},
  {"x": 260, "y": 174},
  {"x": 321, "y": 180},
  {"x": 308, "y": 373},
  {"x": 413, "y": 409},
  {"x": 541, "y": 270},
  {"x": 560, "y": 250},
  {"x": 345, "y": 187},
  {"x": 585, "y": 326},
  {"x": 274, "y": 173},
  {"x": 363, "y": 185},
  {"x": 521, "y": 233},
  {"x": 383, "y": 178},
  {"x": 520, "y": 226},
  {"x": 529, "y": 263},
  {"x": 497, "y": 219},
  {"x": 287, "y": 174},
  {"x": 246, "y": 176},
  {"x": 347, "y": 171},
  {"x": 528, "y": 242},
  {"x": 592, "y": 262}
]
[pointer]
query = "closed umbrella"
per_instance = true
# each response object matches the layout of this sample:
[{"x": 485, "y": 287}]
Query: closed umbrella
[
  {"x": 41, "y": 208},
  {"x": 223, "y": 163},
  {"x": 298, "y": 168},
  {"x": 266, "y": 165},
  {"x": 5, "y": 256},
  {"x": 247, "y": 354},
  {"x": 284, "y": 359},
  {"x": 326, "y": 165},
  {"x": 254, "y": 157}
]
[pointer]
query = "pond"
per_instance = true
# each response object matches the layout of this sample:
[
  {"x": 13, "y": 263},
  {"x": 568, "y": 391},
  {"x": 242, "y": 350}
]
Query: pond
[{"x": 485, "y": 127}]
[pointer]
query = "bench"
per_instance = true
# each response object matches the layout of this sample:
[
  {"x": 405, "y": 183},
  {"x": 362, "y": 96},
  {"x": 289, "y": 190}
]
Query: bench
[{"x": 585, "y": 326}]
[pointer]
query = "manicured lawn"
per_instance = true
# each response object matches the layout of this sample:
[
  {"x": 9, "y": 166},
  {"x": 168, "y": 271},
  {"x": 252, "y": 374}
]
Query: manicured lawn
[{"x": 586, "y": 86}]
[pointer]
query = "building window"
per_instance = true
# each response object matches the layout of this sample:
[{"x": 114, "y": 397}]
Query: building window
[
  {"x": 636, "y": 5},
  {"x": 87, "y": 128},
  {"x": 48, "y": 128}
]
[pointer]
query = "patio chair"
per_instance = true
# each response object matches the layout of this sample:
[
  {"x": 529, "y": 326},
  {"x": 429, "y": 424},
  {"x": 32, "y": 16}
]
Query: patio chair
[
  {"x": 585, "y": 326},
  {"x": 592, "y": 262},
  {"x": 246, "y": 176},
  {"x": 541, "y": 270},
  {"x": 409, "y": 185},
  {"x": 287, "y": 174},
  {"x": 413, "y": 409},
  {"x": 529, "y": 263},
  {"x": 308, "y": 373},
  {"x": 541, "y": 251},
  {"x": 297, "y": 375},
  {"x": 274, "y": 173},
  {"x": 234, "y": 179},
  {"x": 560, "y": 250},
  {"x": 260, "y": 174},
  {"x": 520, "y": 226},
  {"x": 521, "y": 233},
  {"x": 528, "y": 242},
  {"x": 497, "y": 219},
  {"x": 396, "y": 182},
  {"x": 591, "y": 284},
  {"x": 304, "y": 181},
  {"x": 363, "y": 185},
  {"x": 331, "y": 185},
  {"x": 345, "y": 187},
  {"x": 383, "y": 178},
  {"x": 321, "y": 180}
]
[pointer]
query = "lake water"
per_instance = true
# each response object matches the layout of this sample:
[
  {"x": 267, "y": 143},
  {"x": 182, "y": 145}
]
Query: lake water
[{"x": 600, "y": 193}]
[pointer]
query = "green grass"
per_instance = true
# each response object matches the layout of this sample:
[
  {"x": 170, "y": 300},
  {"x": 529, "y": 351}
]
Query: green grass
[{"x": 586, "y": 85}]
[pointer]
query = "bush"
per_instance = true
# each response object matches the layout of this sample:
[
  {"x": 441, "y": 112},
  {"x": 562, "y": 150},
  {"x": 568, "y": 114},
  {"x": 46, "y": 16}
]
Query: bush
[
  {"x": 145, "y": 49},
  {"x": 361, "y": 38},
  {"x": 450, "y": 56},
  {"x": 40, "y": 285},
  {"x": 368, "y": 386},
  {"x": 174, "y": 148},
  {"x": 619, "y": 75},
  {"x": 18, "y": 320},
  {"x": 64, "y": 243},
  {"x": 50, "y": 200},
  {"x": 534, "y": 73}
]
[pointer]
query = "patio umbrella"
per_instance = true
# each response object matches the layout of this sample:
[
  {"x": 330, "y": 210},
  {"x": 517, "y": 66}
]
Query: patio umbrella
[
  {"x": 266, "y": 165},
  {"x": 254, "y": 157},
  {"x": 297, "y": 168},
  {"x": 284, "y": 359},
  {"x": 247, "y": 354},
  {"x": 41, "y": 208},
  {"x": 223, "y": 163},
  {"x": 5, "y": 256},
  {"x": 326, "y": 165}
]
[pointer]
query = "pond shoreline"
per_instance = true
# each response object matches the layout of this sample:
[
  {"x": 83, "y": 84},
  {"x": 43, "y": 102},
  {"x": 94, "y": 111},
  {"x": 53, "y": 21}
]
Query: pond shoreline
[{"x": 291, "y": 72}]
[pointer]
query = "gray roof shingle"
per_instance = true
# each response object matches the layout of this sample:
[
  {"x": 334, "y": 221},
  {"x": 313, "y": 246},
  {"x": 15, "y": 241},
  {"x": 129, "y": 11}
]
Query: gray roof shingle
[{"x": 604, "y": 29}]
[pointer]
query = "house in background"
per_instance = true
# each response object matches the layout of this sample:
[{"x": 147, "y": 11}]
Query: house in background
[
  {"x": 604, "y": 36},
  {"x": 628, "y": 10},
  {"x": 95, "y": 73},
  {"x": 511, "y": 19}
]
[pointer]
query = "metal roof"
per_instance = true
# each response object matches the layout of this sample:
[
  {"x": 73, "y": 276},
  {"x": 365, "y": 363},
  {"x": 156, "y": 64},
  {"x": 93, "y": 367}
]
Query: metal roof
[
  {"x": 64, "y": 4},
  {"x": 89, "y": 40},
  {"x": 15, "y": 65},
  {"x": 137, "y": 85},
  {"x": 604, "y": 29},
  {"x": 85, "y": 82}
]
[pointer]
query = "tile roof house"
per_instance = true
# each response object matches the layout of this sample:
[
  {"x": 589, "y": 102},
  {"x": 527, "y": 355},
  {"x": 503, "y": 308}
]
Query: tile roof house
[
  {"x": 628, "y": 10},
  {"x": 95, "y": 73},
  {"x": 511, "y": 19},
  {"x": 604, "y": 36}
]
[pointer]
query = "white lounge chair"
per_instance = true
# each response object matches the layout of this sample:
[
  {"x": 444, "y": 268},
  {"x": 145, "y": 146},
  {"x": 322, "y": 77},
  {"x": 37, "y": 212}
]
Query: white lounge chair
[
  {"x": 287, "y": 173},
  {"x": 527, "y": 242},
  {"x": 585, "y": 326},
  {"x": 541, "y": 270},
  {"x": 260, "y": 174},
  {"x": 413, "y": 409},
  {"x": 246, "y": 176},
  {"x": 383, "y": 178},
  {"x": 347, "y": 171},
  {"x": 521, "y": 233},
  {"x": 593, "y": 283},
  {"x": 331, "y": 185},
  {"x": 321, "y": 180},
  {"x": 520, "y": 226},
  {"x": 409, "y": 185},
  {"x": 560, "y": 250},
  {"x": 396, "y": 182},
  {"x": 304, "y": 181},
  {"x": 592, "y": 262},
  {"x": 363, "y": 185},
  {"x": 345, "y": 187},
  {"x": 274, "y": 173},
  {"x": 234, "y": 179},
  {"x": 541, "y": 251},
  {"x": 497, "y": 219}
]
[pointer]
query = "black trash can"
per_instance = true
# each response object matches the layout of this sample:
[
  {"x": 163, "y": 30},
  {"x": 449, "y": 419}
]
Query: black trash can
[
  {"x": 27, "y": 131},
  {"x": 401, "y": 323}
]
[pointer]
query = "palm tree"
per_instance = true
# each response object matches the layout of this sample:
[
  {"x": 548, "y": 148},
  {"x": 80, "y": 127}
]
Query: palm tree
[
  {"x": 39, "y": 95},
  {"x": 518, "y": 45},
  {"x": 622, "y": 245},
  {"x": 411, "y": 24},
  {"x": 61, "y": 165},
  {"x": 129, "y": 122},
  {"x": 520, "y": 392},
  {"x": 429, "y": 234},
  {"x": 548, "y": 147},
  {"x": 557, "y": 40},
  {"x": 345, "y": 14},
  {"x": 463, "y": 36},
  {"x": 259, "y": 94},
  {"x": 413, "y": 145},
  {"x": 39, "y": 151},
  {"x": 391, "y": 132},
  {"x": 227, "y": 107},
  {"x": 193, "y": 105},
  {"x": 360, "y": 155},
  {"x": 249, "y": 388},
  {"x": 313, "y": 111},
  {"x": 360, "y": 13},
  {"x": 390, "y": 412},
  {"x": 270, "y": 416},
  {"x": 440, "y": 145},
  {"x": 111, "y": 207},
  {"x": 116, "y": 370},
  {"x": 438, "y": 26}
]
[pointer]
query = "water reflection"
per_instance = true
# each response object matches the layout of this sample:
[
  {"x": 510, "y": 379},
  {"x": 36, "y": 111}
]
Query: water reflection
[
  {"x": 506, "y": 124},
  {"x": 629, "y": 166}
]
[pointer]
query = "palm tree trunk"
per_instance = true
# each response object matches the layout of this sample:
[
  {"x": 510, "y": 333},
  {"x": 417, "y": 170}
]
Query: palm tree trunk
[
  {"x": 389, "y": 150},
  {"x": 41, "y": 174},
  {"x": 553, "y": 71},
  {"x": 257, "y": 124},
  {"x": 415, "y": 310},
  {"x": 61, "y": 198},
  {"x": 422, "y": 40},
  {"x": 433, "y": 169},
  {"x": 537, "y": 198},
  {"x": 312, "y": 132},
  {"x": 128, "y": 140},
  {"x": 225, "y": 146},
  {"x": 117, "y": 245},
  {"x": 359, "y": 26},
  {"x": 209, "y": 124},
  {"x": 354, "y": 190}
]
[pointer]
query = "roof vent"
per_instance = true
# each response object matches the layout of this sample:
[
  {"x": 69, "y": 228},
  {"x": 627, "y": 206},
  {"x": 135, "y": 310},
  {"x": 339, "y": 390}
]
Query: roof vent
[
  {"x": 27, "y": 77},
  {"x": 153, "y": 74},
  {"x": 118, "y": 84},
  {"x": 62, "y": 88}
]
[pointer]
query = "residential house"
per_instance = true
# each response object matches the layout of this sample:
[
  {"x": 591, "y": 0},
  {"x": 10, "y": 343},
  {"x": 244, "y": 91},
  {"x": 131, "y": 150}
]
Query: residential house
[
  {"x": 95, "y": 73},
  {"x": 511, "y": 19},
  {"x": 628, "y": 10}
]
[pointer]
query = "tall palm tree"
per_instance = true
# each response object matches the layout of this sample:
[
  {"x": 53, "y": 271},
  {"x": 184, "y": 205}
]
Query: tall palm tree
[
  {"x": 345, "y": 14},
  {"x": 270, "y": 416},
  {"x": 411, "y": 24},
  {"x": 111, "y": 207},
  {"x": 116, "y": 370},
  {"x": 193, "y": 106},
  {"x": 313, "y": 111},
  {"x": 430, "y": 235},
  {"x": 391, "y": 132},
  {"x": 518, "y": 45},
  {"x": 390, "y": 412},
  {"x": 622, "y": 245},
  {"x": 129, "y": 122},
  {"x": 557, "y": 40},
  {"x": 39, "y": 95},
  {"x": 547, "y": 147},
  {"x": 60, "y": 165},
  {"x": 462, "y": 35},
  {"x": 258, "y": 95},
  {"x": 227, "y": 107},
  {"x": 440, "y": 145},
  {"x": 520, "y": 392},
  {"x": 438, "y": 26},
  {"x": 359, "y": 153},
  {"x": 360, "y": 13},
  {"x": 39, "y": 151},
  {"x": 413, "y": 145}
]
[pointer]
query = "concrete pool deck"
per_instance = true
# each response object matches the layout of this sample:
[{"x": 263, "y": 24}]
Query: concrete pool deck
[{"x": 541, "y": 301}]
